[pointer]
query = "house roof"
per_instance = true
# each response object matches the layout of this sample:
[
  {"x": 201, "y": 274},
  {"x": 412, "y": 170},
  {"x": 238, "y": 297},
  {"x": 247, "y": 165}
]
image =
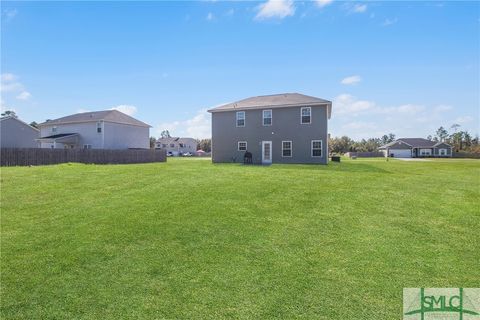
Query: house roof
[
  {"x": 175, "y": 139},
  {"x": 15, "y": 118},
  {"x": 415, "y": 143},
  {"x": 60, "y": 135},
  {"x": 105, "y": 115},
  {"x": 274, "y": 101}
]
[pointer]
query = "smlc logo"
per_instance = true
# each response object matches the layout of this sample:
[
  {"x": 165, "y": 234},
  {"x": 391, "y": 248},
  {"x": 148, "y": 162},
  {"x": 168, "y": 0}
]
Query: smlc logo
[{"x": 441, "y": 303}]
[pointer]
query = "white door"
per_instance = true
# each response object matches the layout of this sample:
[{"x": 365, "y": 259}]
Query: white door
[
  {"x": 400, "y": 153},
  {"x": 266, "y": 152}
]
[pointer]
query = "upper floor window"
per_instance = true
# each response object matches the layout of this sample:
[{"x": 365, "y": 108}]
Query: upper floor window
[
  {"x": 99, "y": 127},
  {"x": 172, "y": 145},
  {"x": 306, "y": 115},
  {"x": 241, "y": 119},
  {"x": 182, "y": 145},
  {"x": 164, "y": 145},
  {"x": 267, "y": 117},
  {"x": 316, "y": 148},
  {"x": 54, "y": 129}
]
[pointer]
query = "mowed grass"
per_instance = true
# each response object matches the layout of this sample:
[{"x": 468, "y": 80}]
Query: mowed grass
[{"x": 189, "y": 239}]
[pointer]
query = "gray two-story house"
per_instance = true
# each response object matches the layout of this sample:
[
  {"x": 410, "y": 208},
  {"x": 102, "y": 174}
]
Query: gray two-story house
[
  {"x": 280, "y": 128},
  {"x": 108, "y": 129}
]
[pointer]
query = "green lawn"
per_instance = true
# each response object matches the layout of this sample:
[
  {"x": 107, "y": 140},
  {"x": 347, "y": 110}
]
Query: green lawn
[{"x": 191, "y": 240}]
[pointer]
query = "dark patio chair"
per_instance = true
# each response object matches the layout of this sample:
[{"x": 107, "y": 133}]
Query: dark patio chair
[{"x": 247, "y": 158}]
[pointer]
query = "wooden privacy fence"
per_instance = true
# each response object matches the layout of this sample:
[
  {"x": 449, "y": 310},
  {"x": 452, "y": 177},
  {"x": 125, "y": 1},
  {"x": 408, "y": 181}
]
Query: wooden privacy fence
[
  {"x": 37, "y": 156},
  {"x": 365, "y": 154}
]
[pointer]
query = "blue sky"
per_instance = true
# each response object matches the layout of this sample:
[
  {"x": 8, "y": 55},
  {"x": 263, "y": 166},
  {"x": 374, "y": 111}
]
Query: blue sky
[{"x": 401, "y": 67}]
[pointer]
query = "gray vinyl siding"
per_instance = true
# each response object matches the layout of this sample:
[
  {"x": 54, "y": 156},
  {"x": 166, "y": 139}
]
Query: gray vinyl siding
[
  {"x": 87, "y": 134},
  {"x": 113, "y": 135},
  {"x": 285, "y": 126},
  {"x": 16, "y": 134},
  {"x": 123, "y": 136}
]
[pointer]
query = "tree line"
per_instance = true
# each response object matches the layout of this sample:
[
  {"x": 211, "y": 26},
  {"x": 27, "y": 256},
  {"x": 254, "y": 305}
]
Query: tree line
[{"x": 461, "y": 141}]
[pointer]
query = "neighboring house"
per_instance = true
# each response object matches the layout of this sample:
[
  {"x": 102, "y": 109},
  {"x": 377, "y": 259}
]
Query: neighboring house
[
  {"x": 109, "y": 129},
  {"x": 280, "y": 128},
  {"x": 14, "y": 133},
  {"x": 416, "y": 148},
  {"x": 176, "y": 146}
]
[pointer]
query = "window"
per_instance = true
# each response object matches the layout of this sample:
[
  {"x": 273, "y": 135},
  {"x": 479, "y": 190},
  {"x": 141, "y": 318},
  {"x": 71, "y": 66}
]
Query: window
[
  {"x": 87, "y": 146},
  {"x": 54, "y": 129},
  {"x": 267, "y": 117},
  {"x": 172, "y": 145},
  {"x": 306, "y": 115},
  {"x": 182, "y": 145},
  {"x": 443, "y": 152},
  {"x": 425, "y": 152},
  {"x": 242, "y": 145},
  {"x": 241, "y": 119},
  {"x": 286, "y": 148},
  {"x": 99, "y": 127},
  {"x": 316, "y": 148},
  {"x": 164, "y": 145}
]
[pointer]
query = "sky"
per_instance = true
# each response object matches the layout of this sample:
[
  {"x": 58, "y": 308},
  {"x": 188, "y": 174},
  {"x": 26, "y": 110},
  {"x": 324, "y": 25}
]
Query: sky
[{"x": 388, "y": 67}]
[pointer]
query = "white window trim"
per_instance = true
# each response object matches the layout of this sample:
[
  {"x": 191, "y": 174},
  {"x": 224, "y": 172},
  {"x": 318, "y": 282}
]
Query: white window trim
[
  {"x": 263, "y": 118},
  {"x": 244, "y": 119},
  {"x": 321, "y": 148},
  {"x": 54, "y": 129},
  {"x": 444, "y": 152},
  {"x": 238, "y": 145},
  {"x": 291, "y": 149},
  {"x": 87, "y": 146},
  {"x": 301, "y": 115}
]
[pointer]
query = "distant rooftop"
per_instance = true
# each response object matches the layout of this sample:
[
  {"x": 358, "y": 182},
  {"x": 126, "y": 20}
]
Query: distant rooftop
[
  {"x": 106, "y": 115},
  {"x": 274, "y": 101}
]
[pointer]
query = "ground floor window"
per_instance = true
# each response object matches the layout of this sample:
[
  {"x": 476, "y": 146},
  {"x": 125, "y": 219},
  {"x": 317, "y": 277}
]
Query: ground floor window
[
  {"x": 443, "y": 152},
  {"x": 316, "y": 148},
  {"x": 242, "y": 145},
  {"x": 87, "y": 146},
  {"x": 425, "y": 152},
  {"x": 286, "y": 148}
]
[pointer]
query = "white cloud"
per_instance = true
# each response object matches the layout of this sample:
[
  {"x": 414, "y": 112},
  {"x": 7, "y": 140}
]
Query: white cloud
[
  {"x": 9, "y": 83},
  {"x": 323, "y": 3},
  {"x": 463, "y": 119},
  {"x": 348, "y": 104},
  {"x": 199, "y": 126},
  {"x": 7, "y": 77},
  {"x": 442, "y": 108},
  {"x": 359, "y": 8},
  {"x": 351, "y": 80},
  {"x": 125, "y": 108},
  {"x": 388, "y": 22},
  {"x": 10, "y": 14},
  {"x": 275, "y": 9},
  {"x": 24, "y": 95},
  {"x": 210, "y": 16}
]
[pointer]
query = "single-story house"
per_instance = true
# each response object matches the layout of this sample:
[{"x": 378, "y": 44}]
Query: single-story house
[
  {"x": 108, "y": 129},
  {"x": 278, "y": 128},
  {"x": 177, "y": 146},
  {"x": 14, "y": 133},
  {"x": 416, "y": 148}
]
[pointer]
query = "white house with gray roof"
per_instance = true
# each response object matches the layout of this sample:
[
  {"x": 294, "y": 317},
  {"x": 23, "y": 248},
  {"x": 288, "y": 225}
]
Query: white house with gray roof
[
  {"x": 416, "y": 148},
  {"x": 279, "y": 128},
  {"x": 109, "y": 129},
  {"x": 177, "y": 146}
]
